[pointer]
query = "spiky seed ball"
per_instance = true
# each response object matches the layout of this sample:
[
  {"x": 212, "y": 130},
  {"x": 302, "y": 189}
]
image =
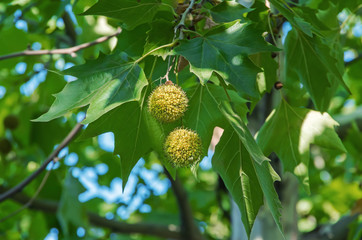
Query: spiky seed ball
[
  {"x": 183, "y": 147},
  {"x": 167, "y": 103}
]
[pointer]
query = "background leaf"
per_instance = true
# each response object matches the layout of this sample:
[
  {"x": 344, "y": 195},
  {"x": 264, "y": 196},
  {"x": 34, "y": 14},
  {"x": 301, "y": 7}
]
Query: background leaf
[
  {"x": 290, "y": 131},
  {"x": 265, "y": 61},
  {"x": 228, "y": 11},
  {"x": 71, "y": 213},
  {"x": 293, "y": 17},
  {"x": 132, "y": 41},
  {"x": 131, "y": 13},
  {"x": 316, "y": 69}
]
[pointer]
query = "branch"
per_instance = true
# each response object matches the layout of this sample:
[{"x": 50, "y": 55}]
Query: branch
[
  {"x": 181, "y": 25},
  {"x": 98, "y": 221},
  {"x": 189, "y": 230},
  {"x": 51, "y": 157},
  {"x": 71, "y": 51}
]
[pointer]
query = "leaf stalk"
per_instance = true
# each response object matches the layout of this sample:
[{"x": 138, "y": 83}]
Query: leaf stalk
[{"x": 156, "y": 49}]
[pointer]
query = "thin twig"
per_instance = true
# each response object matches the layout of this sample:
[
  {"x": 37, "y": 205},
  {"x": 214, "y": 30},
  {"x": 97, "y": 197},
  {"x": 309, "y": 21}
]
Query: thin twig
[
  {"x": 169, "y": 67},
  {"x": 51, "y": 157},
  {"x": 226, "y": 92},
  {"x": 271, "y": 30},
  {"x": 71, "y": 51},
  {"x": 181, "y": 25}
]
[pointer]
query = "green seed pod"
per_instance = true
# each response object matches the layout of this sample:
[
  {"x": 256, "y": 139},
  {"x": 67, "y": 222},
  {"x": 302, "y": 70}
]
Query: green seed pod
[
  {"x": 183, "y": 147},
  {"x": 167, "y": 103}
]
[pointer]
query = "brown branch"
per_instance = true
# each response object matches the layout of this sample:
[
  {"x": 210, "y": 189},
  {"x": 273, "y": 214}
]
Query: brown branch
[
  {"x": 71, "y": 51},
  {"x": 98, "y": 221},
  {"x": 51, "y": 157},
  {"x": 189, "y": 230}
]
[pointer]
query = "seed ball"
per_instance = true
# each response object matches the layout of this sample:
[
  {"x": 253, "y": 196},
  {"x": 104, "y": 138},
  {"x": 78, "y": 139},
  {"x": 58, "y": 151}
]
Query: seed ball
[
  {"x": 183, "y": 147},
  {"x": 11, "y": 122},
  {"x": 167, "y": 103}
]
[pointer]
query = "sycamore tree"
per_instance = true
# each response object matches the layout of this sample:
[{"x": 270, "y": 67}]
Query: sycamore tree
[{"x": 273, "y": 98}]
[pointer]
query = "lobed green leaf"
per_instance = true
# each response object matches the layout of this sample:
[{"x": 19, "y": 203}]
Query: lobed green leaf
[
  {"x": 104, "y": 84},
  {"x": 202, "y": 115},
  {"x": 131, "y": 13},
  {"x": 224, "y": 50},
  {"x": 228, "y": 11},
  {"x": 290, "y": 131},
  {"x": 245, "y": 171},
  {"x": 316, "y": 68}
]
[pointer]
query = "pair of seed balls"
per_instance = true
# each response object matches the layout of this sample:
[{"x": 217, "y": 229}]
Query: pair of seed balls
[{"x": 168, "y": 103}]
